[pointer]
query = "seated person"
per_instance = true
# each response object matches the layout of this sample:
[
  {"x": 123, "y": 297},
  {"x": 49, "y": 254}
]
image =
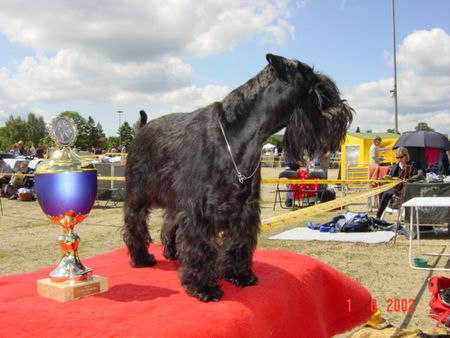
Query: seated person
[
  {"x": 403, "y": 170},
  {"x": 18, "y": 181},
  {"x": 4, "y": 169}
]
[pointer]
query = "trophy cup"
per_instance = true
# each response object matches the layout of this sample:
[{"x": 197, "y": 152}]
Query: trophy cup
[{"x": 66, "y": 193}]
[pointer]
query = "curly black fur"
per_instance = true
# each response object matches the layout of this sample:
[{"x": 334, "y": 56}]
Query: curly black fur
[{"x": 180, "y": 162}]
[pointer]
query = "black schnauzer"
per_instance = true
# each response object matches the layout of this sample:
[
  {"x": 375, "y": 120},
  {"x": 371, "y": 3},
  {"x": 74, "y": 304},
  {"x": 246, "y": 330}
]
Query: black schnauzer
[{"x": 203, "y": 168}]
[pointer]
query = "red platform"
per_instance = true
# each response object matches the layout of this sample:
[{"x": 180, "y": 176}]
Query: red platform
[{"x": 297, "y": 296}]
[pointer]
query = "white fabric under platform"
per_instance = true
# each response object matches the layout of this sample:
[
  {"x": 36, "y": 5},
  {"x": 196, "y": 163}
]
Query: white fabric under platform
[{"x": 305, "y": 234}]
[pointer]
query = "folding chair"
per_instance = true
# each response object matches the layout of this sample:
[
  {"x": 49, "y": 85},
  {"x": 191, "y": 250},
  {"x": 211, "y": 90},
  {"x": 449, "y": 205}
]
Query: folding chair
[
  {"x": 393, "y": 206},
  {"x": 287, "y": 174},
  {"x": 305, "y": 194}
]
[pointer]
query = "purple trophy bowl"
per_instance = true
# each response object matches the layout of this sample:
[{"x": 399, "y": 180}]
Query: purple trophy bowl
[
  {"x": 57, "y": 193},
  {"x": 67, "y": 198}
]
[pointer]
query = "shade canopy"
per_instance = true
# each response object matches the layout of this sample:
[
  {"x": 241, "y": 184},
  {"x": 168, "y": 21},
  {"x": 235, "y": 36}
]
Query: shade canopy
[{"x": 423, "y": 139}]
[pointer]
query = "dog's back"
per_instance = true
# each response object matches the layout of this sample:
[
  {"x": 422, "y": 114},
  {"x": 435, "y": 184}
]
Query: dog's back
[{"x": 160, "y": 152}]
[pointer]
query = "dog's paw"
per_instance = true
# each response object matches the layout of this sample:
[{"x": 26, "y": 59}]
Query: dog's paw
[
  {"x": 144, "y": 262},
  {"x": 207, "y": 294},
  {"x": 244, "y": 280},
  {"x": 170, "y": 255}
]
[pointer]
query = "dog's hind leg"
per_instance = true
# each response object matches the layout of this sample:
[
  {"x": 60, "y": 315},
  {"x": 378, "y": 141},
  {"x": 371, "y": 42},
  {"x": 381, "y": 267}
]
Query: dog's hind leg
[
  {"x": 239, "y": 242},
  {"x": 135, "y": 232},
  {"x": 168, "y": 236},
  {"x": 198, "y": 252}
]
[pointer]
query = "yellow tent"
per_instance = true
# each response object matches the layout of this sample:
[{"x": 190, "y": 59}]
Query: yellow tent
[{"x": 355, "y": 149}]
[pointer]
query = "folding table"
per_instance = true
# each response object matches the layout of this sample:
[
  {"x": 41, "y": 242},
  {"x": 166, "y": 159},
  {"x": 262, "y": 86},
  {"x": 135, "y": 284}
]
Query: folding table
[{"x": 424, "y": 202}]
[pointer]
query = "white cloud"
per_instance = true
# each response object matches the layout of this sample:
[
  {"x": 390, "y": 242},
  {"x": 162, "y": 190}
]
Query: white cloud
[
  {"x": 423, "y": 87},
  {"x": 185, "y": 99},
  {"x": 426, "y": 53},
  {"x": 70, "y": 75},
  {"x": 142, "y": 29},
  {"x": 125, "y": 52},
  {"x": 191, "y": 98},
  {"x": 133, "y": 52}
]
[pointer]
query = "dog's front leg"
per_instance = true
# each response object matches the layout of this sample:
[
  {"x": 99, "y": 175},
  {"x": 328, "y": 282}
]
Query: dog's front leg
[
  {"x": 239, "y": 242},
  {"x": 197, "y": 251}
]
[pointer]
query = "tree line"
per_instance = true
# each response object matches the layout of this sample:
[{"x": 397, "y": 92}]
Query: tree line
[
  {"x": 33, "y": 130},
  {"x": 420, "y": 126}
]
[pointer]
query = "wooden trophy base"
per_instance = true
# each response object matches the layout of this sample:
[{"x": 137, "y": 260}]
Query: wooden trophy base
[{"x": 67, "y": 291}]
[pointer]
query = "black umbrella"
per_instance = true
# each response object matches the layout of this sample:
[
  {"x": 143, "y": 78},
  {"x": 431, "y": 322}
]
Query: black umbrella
[{"x": 423, "y": 139}]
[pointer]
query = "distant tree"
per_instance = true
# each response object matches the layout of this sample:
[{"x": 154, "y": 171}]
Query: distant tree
[
  {"x": 100, "y": 129},
  {"x": 94, "y": 132},
  {"x": 358, "y": 130},
  {"x": 275, "y": 140},
  {"x": 36, "y": 129},
  {"x": 369, "y": 131},
  {"x": 89, "y": 132},
  {"x": 3, "y": 143},
  {"x": 136, "y": 127},
  {"x": 113, "y": 143},
  {"x": 15, "y": 130},
  {"x": 33, "y": 130},
  {"x": 82, "y": 141},
  {"x": 392, "y": 131},
  {"x": 102, "y": 140},
  {"x": 423, "y": 126},
  {"x": 126, "y": 134},
  {"x": 46, "y": 141}
]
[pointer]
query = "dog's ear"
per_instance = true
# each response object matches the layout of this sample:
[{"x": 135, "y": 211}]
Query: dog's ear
[
  {"x": 280, "y": 65},
  {"x": 287, "y": 69},
  {"x": 275, "y": 60}
]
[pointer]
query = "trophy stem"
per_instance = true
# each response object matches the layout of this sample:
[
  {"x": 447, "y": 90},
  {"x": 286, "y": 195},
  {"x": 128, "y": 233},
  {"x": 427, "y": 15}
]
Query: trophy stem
[{"x": 70, "y": 267}]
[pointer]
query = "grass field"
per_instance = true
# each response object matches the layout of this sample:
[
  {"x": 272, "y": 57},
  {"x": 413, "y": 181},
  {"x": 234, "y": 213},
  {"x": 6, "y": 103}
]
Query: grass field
[{"x": 28, "y": 242}]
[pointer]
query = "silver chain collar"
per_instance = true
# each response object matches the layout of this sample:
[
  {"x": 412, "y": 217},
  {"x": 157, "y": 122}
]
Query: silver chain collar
[{"x": 240, "y": 176}]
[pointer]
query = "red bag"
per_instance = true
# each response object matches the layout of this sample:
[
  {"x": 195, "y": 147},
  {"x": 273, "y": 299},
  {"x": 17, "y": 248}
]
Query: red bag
[{"x": 439, "y": 287}]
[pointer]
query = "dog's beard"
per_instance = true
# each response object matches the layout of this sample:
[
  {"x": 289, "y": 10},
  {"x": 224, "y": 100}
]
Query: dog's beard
[{"x": 316, "y": 132}]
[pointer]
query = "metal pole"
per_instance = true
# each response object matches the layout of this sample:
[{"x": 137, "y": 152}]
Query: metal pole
[
  {"x": 394, "y": 92},
  {"x": 120, "y": 124}
]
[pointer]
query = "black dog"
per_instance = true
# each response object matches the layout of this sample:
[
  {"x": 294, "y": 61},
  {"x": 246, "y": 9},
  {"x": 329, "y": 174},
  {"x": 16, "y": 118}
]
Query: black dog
[{"x": 203, "y": 168}]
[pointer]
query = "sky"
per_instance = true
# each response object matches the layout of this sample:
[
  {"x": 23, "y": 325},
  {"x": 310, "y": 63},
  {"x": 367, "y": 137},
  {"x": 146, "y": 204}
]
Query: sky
[{"x": 101, "y": 57}]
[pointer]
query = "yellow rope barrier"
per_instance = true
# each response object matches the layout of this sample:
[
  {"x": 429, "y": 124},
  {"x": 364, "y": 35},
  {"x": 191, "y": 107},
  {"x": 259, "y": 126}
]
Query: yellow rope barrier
[
  {"x": 316, "y": 181},
  {"x": 263, "y": 181},
  {"x": 109, "y": 178},
  {"x": 304, "y": 213},
  {"x": 297, "y": 215}
]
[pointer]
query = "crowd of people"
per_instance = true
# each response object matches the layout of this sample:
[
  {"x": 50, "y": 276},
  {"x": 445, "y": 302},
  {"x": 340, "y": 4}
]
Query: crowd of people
[
  {"x": 18, "y": 150},
  {"x": 13, "y": 179},
  {"x": 15, "y": 183}
]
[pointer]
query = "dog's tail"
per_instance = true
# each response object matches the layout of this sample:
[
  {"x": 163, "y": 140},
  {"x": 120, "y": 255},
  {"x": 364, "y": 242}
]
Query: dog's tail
[{"x": 143, "y": 118}]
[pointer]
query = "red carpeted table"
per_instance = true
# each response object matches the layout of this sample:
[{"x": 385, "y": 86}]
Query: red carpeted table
[{"x": 297, "y": 296}]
